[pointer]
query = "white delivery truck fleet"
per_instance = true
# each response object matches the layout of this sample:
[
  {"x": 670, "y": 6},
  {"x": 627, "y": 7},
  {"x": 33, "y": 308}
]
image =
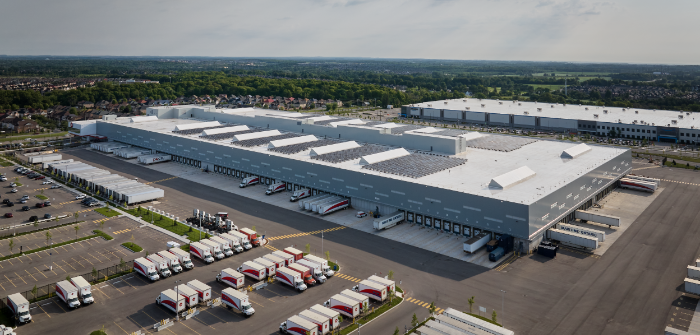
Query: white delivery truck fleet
[
  {"x": 172, "y": 260},
  {"x": 233, "y": 242},
  {"x": 364, "y": 300},
  {"x": 279, "y": 262},
  {"x": 146, "y": 268},
  {"x": 189, "y": 293},
  {"x": 203, "y": 290},
  {"x": 274, "y": 188},
  {"x": 333, "y": 316},
  {"x": 315, "y": 270},
  {"x": 295, "y": 325},
  {"x": 320, "y": 321},
  {"x": 242, "y": 239},
  {"x": 19, "y": 307},
  {"x": 390, "y": 284},
  {"x": 202, "y": 252},
  {"x": 214, "y": 248},
  {"x": 269, "y": 266},
  {"x": 223, "y": 245},
  {"x": 234, "y": 299},
  {"x": 291, "y": 278},
  {"x": 325, "y": 269},
  {"x": 288, "y": 258},
  {"x": 344, "y": 305},
  {"x": 253, "y": 270},
  {"x": 388, "y": 221},
  {"x": 300, "y": 194},
  {"x": 161, "y": 265},
  {"x": 84, "y": 288},
  {"x": 184, "y": 258},
  {"x": 372, "y": 290},
  {"x": 171, "y": 300},
  {"x": 68, "y": 293},
  {"x": 231, "y": 277}
]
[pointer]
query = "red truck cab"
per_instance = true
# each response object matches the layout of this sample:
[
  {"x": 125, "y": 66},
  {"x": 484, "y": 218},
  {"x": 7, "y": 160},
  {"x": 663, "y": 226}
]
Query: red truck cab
[
  {"x": 252, "y": 236},
  {"x": 305, "y": 273}
]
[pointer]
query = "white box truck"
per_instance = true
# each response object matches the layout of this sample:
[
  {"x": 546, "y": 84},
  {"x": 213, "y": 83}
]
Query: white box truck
[
  {"x": 202, "y": 289},
  {"x": 389, "y": 221},
  {"x": 315, "y": 270},
  {"x": 300, "y": 194},
  {"x": 161, "y": 265},
  {"x": 252, "y": 180},
  {"x": 276, "y": 187},
  {"x": 184, "y": 258},
  {"x": 364, "y": 300},
  {"x": 214, "y": 248},
  {"x": 390, "y": 284},
  {"x": 223, "y": 245},
  {"x": 291, "y": 278},
  {"x": 242, "y": 239},
  {"x": 68, "y": 293},
  {"x": 279, "y": 262},
  {"x": 288, "y": 258},
  {"x": 295, "y": 325},
  {"x": 6, "y": 330},
  {"x": 333, "y": 316},
  {"x": 475, "y": 243},
  {"x": 320, "y": 321},
  {"x": 189, "y": 293},
  {"x": 233, "y": 242},
  {"x": 253, "y": 270},
  {"x": 146, "y": 268},
  {"x": 270, "y": 267},
  {"x": 372, "y": 290},
  {"x": 171, "y": 300},
  {"x": 231, "y": 277},
  {"x": 344, "y": 305},
  {"x": 172, "y": 261},
  {"x": 234, "y": 299},
  {"x": 84, "y": 290},
  {"x": 202, "y": 252},
  {"x": 325, "y": 269},
  {"x": 19, "y": 306}
]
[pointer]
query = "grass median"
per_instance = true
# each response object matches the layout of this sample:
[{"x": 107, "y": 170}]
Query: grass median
[
  {"x": 41, "y": 197},
  {"x": 103, "y": 234},
  {"x": 371, "y": 316},
  {"x": 108, "y": 212},
  {"x": 132, "y": 246},
  {"x": 168, "y": 224},
  {"x": 38, "y": 230},
  {"x": 56, "y": 245}
]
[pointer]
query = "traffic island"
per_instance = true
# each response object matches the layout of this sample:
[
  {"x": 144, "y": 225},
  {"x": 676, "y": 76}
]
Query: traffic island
[{"x": 132, "y": 246}]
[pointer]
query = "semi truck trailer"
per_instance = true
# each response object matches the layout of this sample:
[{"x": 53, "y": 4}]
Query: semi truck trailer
[
  {"x": 237, "y": 300},
  {"x": 183, "y": 257},
  {"x": 573, "y": 239},
  {"x": 330, "y": 207},
  {"x": 202, "y": 252},
  {"x": 19, "y": 306},
  {"x": 639, "y": 185},
  {"x": 68, "y": 293},
  {"x": 477, "y": 242},
  {"x": 253, "y": 270},
  {"x": 231, "y": 277},
  {"x": 146, "y": 268},
  {"x": 295, "y": 325},
  {"x": 291, "y": 278},
  {"x": 600, "y": 235},
  {"x": 84, "y": 290},
  {"x": 325, "y": 269},
  {"x": 172, "y": 261},
  {"x": 171, "y": 300},
  {"x": 389, "y": 221}
]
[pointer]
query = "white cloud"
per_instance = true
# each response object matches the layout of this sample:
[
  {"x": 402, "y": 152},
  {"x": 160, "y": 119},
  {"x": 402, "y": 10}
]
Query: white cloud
[{"x": 560, "y": 30}]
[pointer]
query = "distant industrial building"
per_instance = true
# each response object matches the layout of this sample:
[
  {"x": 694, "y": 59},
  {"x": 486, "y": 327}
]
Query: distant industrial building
[
  {"x": 632, "y": 123},
  {"x": 458, "y": 181}
]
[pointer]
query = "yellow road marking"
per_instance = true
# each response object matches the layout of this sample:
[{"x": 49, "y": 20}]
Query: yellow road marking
[
  {"x": 40, "y": 272},
  {"x": 127, "y": 333},
  {"x": 18, "y": 276},
  {"x": 30, "y": 275}
]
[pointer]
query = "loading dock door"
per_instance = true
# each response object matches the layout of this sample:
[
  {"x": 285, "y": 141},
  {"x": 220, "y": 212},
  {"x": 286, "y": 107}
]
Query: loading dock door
[
  {"x": 456, "y": 228},
  {"x": 467, "y": 231},
  {"x": 437, "y": 223},
  {"x": 447, "y": 226},
  {"x": 419, "y": 219},
  {"x": 428, "y": 221},
  {"x": 409, "y": 217}
]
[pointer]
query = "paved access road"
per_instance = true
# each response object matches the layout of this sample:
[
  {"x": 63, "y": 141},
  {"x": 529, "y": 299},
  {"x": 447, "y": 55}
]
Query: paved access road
[{"x": 630, "y": 289}]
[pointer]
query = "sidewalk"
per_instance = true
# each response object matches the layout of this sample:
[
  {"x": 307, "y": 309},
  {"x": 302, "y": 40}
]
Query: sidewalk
[{"x": 154, "y": 227}]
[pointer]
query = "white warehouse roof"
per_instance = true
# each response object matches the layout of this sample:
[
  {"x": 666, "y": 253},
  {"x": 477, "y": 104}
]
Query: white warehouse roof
[
  {"x": 293, "y": 140},
  {"x": 209, "y": 132}
]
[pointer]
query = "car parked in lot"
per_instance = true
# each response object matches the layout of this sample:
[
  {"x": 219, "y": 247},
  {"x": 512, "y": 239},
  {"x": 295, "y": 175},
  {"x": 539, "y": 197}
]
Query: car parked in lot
[
  {"x": 33, "y": 218},
  {"x": 13, "y": 184},
  {"x": 6, "y": 201},
  {"x": 55, "y": 186},
  {"x": 25, "y": 208},
  {"x": 8, "y": 215},
  {"x": 3, "y": 178},
  {"x": 14, "y": 190},
  {"x": 40, "y": 177},
  {"x": 23, "y": 201},
  {"x": 40, "y": 205},
  {"x": 80, "y": 196},
  {"x": 47, "y": 182},
  {"x": 47, "y": 203},
  {"x": 47, "y": 216},
  {"x": 10, "y": 204}
]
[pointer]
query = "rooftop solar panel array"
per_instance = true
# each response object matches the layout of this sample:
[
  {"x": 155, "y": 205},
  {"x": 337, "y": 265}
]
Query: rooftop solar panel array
[
  {"x": 350, "y": 154},
  {"x": 450, "y": 132},
  {"x": 500, "y": 143},
  {"x": 254, "y": 142},
  {"x": 415, "y": 165},
  {"x": 228, "y": 136},
  {"x": 401, "y": 130},
  {"x": 197, "y": 130},
  {"x": 299, "y": 147}
]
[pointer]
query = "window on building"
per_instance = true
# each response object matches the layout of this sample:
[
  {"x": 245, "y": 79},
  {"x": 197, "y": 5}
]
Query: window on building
[
  {"x": 693, "y": 135},
  {"x": 628, "y": 129},
  {"x": 682, "y": 134},
  {"x": 653, "y": 131}
]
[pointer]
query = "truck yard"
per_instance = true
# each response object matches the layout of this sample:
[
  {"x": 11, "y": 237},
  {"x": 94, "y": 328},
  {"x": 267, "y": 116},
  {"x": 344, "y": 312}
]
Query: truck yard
[{"x": 584, "y": 294}]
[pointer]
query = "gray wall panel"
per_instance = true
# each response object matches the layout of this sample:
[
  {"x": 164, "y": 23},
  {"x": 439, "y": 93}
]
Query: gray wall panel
[{"x": 524, "y": 120}]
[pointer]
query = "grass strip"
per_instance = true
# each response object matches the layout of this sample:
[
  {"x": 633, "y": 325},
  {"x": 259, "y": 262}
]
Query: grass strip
[
  {"x": 18, "y": 184},
  {"x": 133, "y": 247},
  {"x": 42, "y": 197},
  {"x": 168, "y": 224},
  {"x": 38, "y": 230},
  {"x": 483, "y": 318},
  {"x": 669, "y": 156},
  {"x": 108, "y": 212},
  {"x": 56, "y": 245},
  {"x": 369, "y": 317},
  {"x": 18, "y": 138},
  {"x": 6, "y": 163},
  {"x": 682, "y": 166},
  {"x": 412, "y": 330},
  {"x": 103, "y": 234}
]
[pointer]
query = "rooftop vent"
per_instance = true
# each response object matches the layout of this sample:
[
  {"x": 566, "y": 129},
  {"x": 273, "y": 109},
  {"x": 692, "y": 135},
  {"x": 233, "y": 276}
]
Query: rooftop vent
[
  {"x": 586, "y": 108},
  {"x": 605, "y": 111},
  {"x": 575, "y": 151},
  {"x": 623, "y": 109},
  {"x": 636, "y": 112},
  {"x": 595, "y": 116},
  {"x": 445, "y": 102},
  {"x": 464, "y": 100},
  {"x": 429, "y": 105},
  {"x": 483, "y": 105},
  {"x": 539, "y": 109},
  {"x": 526, "y": 112},
  {"x": 552, "y": 106},
  {"x": 466, "y": 108},
  {"x": 500, "y": 102},
  {"x": 680, "y": 116},
  {"x": 512, "y": 178},
  {"x": 674, "y": 121},
  {"x": 519, "y": 104}
]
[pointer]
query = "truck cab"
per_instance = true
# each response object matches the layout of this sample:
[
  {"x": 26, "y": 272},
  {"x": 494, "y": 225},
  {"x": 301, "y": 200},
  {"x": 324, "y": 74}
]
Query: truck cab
[{"x": 6, "y": 330}]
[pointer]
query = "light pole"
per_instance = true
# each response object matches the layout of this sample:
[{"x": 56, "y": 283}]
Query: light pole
[
  {"x": 321, "y": 242},
  {"x": 502, "y": 297},
  {"x": 359, "y": 325},
  {"x": 177, "y": 298},
  {"x": 51, "y": 256}
]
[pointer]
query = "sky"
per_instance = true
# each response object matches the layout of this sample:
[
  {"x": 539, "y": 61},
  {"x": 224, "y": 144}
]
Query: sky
[{"x": 627, "y": 31}]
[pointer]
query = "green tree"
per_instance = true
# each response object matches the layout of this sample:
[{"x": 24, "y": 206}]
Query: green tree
[
  {"x": 34, "y": 291},
  {"x": 414, "y": 321},
  {"x": 48, "y": 236},
  {"x": 94, "y": 273},
  {"x": 471, "y": 303},
  {"x": 77, "y": 227},
  {"x": 76, "y": 215},
  {"x": 390, "y": 275},
  {"x": 254, "y": 229},
  {"x": 432, "y": 308},
  {"x": 397, "y": 331},
  {"x": 328, "y": 255},
  {"x": 122, "y": 264},
  {"x": 36, "y": 223},
  {"x": 67, "y": 278},
  {"x": 494, "y": 316},
  {"x": 308, "y": 248},
  {"x": 11, "y": 245}
]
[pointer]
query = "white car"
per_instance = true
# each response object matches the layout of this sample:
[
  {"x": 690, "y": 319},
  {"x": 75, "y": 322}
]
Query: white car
[
  {"x": 56, "y": 186},
  {"x": 80, "y": 196},
  {"x": 3, "y": 178},
  {"x": 47, "y": 182},
  {"x": 14, "y": 190},
  {"x": 360, "y": 214},
  {"x": 13, "y": 185}
]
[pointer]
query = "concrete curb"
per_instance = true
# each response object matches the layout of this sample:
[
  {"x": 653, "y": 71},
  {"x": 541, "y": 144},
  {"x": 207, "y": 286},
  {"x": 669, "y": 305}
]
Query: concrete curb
[{"x": 389, "y": 310}]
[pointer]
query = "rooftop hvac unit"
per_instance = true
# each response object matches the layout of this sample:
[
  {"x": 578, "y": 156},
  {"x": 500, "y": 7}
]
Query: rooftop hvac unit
[
  {"x": 519, "y": 104},
  {"x": 526, "y": 112},
  {"x": 483, "y": 105},
  {"x": 605, "y": 111},
  {"x": 636, "y": 112},
  {"x": 586, "y": 108},
  {"x": 500, "y": 102},
  {"x": 674, "y": 121},
  {"x": 680, "y": 116},
  {"x": 595, "y": 116},
  {"x": 623, "y": 109},
  {"x": 464, "y": 100},
  {"x": 552, "y": 106},
  {"x": 539, "y": 109},
  {"x": 445, "y": 102},
  {"x": 466, "y": 108},
  {"x": 429, "y": 105}
]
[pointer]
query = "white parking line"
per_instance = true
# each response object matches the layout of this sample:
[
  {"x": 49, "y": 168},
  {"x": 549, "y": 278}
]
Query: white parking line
[{"x": 48, "y": 303}]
